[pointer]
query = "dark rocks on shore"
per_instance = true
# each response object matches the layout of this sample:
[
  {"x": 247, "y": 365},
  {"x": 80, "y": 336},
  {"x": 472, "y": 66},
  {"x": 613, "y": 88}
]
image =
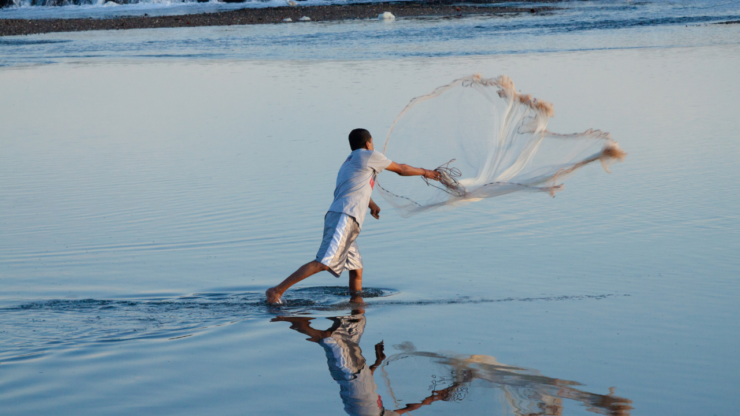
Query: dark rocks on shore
[
  {"x": 5, "y": 3},
  {"x": 249, "y": 16}
]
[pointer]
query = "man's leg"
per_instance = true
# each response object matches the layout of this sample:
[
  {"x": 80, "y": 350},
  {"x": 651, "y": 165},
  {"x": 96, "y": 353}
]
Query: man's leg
[
  {"x": 302, "y": 324},
  {"x": 354, "y": 264},
  {"x": 340, "y": 231},
  {"x": 307, "y": 270},
  {"x": 355, "y": 281}
]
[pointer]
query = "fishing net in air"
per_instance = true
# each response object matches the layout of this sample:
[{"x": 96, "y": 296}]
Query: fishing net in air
[{"x": 486, "y": 140}]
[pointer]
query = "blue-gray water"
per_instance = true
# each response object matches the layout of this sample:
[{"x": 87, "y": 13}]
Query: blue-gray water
[{"x": 153, "y": 183}]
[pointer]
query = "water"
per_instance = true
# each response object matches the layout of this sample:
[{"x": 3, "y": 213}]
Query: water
[
  {"x": 575, "y": 15},
  {"x": 574, "y": 26},
  {"x": 152, "y": 186}
]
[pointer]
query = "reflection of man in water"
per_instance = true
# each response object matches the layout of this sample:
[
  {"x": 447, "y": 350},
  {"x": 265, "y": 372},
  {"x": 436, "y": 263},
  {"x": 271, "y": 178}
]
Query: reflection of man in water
[
  {"x": 348, "y": 367},
  {"x": 526, "y": 391}
]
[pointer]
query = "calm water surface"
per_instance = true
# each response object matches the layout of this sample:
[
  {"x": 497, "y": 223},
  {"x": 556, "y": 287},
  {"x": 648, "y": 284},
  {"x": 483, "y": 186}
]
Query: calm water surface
[{"x": 147, "y": 203}]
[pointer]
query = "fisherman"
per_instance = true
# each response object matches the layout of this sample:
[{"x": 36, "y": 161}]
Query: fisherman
[{"x": 342, "y": 224}]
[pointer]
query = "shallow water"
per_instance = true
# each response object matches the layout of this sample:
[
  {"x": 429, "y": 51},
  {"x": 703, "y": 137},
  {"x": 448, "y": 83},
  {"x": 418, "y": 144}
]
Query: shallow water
[
  {"x": 148, "y": 202},
  {"x": 573, "y": 26}
]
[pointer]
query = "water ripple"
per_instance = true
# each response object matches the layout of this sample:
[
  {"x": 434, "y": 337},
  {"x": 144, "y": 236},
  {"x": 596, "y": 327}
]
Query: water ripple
[{"x": 34, "y": 329}]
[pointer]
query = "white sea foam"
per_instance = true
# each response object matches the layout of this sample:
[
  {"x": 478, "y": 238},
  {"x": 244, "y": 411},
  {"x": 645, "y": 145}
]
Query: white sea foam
[{"x": 387, "y": 16}]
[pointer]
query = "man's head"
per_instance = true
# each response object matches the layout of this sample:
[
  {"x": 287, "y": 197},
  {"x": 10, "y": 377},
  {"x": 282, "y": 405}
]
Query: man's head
[{"x": 360, "y": 139}]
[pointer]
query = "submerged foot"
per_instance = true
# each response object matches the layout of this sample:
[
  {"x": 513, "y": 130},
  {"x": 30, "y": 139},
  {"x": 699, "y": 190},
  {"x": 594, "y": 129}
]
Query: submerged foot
[{"x": 273, "y": 297}]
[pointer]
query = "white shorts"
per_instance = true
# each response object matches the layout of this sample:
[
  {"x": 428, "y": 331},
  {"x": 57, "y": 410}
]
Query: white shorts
[{"x": 338, "y": 248}]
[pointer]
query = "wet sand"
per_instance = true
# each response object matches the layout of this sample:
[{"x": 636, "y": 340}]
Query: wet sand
[{"x": 251, "y": 16}]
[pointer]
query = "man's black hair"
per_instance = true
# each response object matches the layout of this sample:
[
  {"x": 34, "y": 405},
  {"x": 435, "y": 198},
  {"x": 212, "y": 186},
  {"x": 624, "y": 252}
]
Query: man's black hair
[{"x": 358, "y": 138}]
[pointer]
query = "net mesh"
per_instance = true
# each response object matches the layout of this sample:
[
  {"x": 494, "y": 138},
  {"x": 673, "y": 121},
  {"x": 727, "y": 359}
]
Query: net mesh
[{"x": 497, "y": 139}]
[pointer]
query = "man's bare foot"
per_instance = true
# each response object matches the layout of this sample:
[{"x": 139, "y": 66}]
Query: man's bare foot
[{"x": 273, "y": 297}]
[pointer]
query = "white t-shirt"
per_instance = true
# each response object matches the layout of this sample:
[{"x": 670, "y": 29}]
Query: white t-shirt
[{"x": 355, "y": 182}]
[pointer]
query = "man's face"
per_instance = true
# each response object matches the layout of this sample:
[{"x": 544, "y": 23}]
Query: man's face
[{"x": 369, "y": 144}]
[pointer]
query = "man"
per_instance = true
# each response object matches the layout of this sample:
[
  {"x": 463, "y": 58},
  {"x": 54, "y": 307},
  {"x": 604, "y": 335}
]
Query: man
[{"x": 343, "y": 222}]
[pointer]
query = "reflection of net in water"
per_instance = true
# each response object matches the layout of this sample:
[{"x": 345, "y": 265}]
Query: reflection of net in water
[
  {"x": 522, "y": 391},
  {"x": 497, "y": 139}
]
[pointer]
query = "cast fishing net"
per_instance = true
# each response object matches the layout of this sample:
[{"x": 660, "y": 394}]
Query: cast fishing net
[{"x": 486, "y": 140}]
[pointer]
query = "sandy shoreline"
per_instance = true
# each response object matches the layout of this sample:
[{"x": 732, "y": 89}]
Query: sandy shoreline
[{"x": 251, "y": 16}]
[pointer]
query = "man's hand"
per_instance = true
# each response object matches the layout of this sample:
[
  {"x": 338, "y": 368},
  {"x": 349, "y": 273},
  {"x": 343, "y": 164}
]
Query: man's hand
[
  {"x": 379, "y": 351},
  {"x": 374, "y": 210},
  {"x": 432, "y": 174},
  {"x": 379, "y": 357}
]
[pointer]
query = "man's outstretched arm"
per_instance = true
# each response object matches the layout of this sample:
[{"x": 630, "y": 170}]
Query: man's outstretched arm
[
  {"x": 436, "y": 395},
  {"x": 403, "y": 170},
  {"x": 406, "y": 170}
]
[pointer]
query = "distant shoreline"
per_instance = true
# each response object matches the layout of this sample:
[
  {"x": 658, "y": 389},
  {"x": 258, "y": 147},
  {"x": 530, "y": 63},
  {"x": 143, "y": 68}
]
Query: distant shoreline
[{"x": 252, "y": 16}]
